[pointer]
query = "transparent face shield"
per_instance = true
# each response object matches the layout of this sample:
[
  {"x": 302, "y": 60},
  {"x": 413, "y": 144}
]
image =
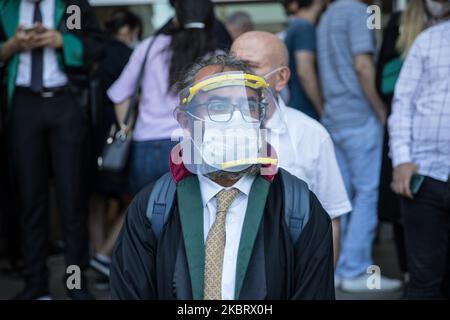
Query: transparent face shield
[{"x": 227, "y": 120}]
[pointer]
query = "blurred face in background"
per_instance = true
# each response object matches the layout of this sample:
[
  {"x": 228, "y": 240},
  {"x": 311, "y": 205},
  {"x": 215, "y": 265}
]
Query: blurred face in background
[
  {"x": 320, "y": 4},
  {"x": 290, "y": 7},
  {"x": 438, "y": 8},
  {"x": 128, "y": 35}
]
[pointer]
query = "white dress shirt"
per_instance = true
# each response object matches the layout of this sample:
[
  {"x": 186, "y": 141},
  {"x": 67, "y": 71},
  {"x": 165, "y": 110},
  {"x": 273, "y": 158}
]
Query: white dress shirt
[
  {"x": 53, "y": 76},
  {"x": 306, "y": 150},
  {"x": 419, "y": 126},
  {"x": 233, "y": 225}
]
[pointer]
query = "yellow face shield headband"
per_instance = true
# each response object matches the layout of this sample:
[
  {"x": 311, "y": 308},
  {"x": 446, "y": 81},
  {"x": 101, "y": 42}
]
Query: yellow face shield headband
[
  {"x": 224, "y": 80},
  {"x": 258, "y": 160}
]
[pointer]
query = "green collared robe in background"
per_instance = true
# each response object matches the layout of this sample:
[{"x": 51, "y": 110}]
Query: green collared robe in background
[
  {"x": 269, "y": 265},
  {"x": 80, "y": 48}
]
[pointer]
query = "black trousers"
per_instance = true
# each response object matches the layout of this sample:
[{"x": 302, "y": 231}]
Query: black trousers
[
  {"x": 47, "y": 140},
  {"x": 426, "y": 220}
]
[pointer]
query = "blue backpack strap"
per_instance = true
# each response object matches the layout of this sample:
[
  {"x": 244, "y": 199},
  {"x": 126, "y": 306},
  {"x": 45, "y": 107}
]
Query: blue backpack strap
[
  {"x": 160, "y": 202},
  {"x": 296, "y": 203}
]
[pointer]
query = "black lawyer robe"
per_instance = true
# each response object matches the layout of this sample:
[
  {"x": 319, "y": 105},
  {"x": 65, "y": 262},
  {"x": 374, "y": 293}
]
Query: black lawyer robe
[{"x": 143, "y": 268}]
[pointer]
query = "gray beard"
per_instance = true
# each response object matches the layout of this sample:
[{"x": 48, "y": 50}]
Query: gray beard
[{"x": 253, "y": 170}]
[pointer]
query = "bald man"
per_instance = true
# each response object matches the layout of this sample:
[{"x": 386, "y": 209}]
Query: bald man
[{"x": 313, "y": 159}]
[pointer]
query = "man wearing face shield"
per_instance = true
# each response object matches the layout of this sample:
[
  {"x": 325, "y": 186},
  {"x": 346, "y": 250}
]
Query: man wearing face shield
[
  {"x": 306, "y": 149},
  {"x": 226, "y": 235}
]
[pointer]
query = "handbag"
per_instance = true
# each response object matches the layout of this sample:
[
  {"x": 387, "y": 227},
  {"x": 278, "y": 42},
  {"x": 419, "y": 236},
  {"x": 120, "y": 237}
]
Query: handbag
[{"x": 116, "y": 149}]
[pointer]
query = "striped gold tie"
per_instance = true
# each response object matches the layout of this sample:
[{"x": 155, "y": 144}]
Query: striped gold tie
[{"x": 215, "y": 246}]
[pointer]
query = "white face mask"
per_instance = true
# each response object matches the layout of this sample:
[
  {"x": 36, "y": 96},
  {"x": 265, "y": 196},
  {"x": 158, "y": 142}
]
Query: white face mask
[
  {"x": 231, "y": 146},
  {"x": 437, "y": 9}
]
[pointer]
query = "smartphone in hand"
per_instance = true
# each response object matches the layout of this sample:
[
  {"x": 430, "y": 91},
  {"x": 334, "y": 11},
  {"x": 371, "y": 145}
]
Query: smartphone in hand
[
  {"x": 30, "y": 29},
  {"x": 36, "y": 28},
  {"x": 416, "y": 183}
]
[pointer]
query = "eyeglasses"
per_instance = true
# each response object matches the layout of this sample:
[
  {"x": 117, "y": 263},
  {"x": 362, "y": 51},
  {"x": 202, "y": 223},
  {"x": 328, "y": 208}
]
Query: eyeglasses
[{"x": 222, "y": 111}]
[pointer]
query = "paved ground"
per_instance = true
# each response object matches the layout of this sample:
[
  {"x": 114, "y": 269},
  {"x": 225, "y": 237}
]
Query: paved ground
[
  {"x": 10, "y": 286},
  {"x": 384, "y": 255}
]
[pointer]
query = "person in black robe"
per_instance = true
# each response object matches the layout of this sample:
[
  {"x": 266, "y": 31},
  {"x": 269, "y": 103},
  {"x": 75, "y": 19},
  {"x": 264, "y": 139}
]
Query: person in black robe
[
  {"x": 171, "y": 265},
  {"x": 55, "y": 132}
]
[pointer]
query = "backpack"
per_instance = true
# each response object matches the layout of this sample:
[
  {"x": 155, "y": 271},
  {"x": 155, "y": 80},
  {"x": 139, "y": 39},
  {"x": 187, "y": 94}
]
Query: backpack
[{"x": 296, "y": 204}]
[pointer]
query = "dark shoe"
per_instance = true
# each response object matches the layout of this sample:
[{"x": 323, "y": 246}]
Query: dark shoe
[
  {"x": 33, "y": 293},
  {"x": 100, "y": 266},
  {"x": 80, "y": 294}
]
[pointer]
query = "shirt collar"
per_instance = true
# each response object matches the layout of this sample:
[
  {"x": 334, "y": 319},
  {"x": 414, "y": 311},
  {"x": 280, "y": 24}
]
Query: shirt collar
[{"x": 209, "y": 188}]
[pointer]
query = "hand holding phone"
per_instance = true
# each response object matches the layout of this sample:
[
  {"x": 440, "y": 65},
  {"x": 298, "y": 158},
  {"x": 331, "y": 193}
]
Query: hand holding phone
[
  {"x": 30, "y": 29},
  {"x": 36, "y": 28},
  {"x": 22, "y": 39},
  {"x": 401, "y": 179}
]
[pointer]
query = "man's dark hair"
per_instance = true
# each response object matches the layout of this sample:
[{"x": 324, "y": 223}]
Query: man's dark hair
[
  {"x": 286, "y": 5},
  {"x": 120, "y": 18},
  {"x": 303, "y": 3},
  {"x": 299, "y": 4}
]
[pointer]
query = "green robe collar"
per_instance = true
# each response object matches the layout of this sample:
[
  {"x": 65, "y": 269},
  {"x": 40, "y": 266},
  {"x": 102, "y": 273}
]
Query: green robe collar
[
  {"x": 9, "y": 17},
  {"x": 60, "y": 6},
  {"x": 191, "y": 216}
]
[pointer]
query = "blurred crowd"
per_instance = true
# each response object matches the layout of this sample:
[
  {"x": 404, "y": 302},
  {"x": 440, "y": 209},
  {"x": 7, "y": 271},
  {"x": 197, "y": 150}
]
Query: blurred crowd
[{"x": 368, "y": 127}]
